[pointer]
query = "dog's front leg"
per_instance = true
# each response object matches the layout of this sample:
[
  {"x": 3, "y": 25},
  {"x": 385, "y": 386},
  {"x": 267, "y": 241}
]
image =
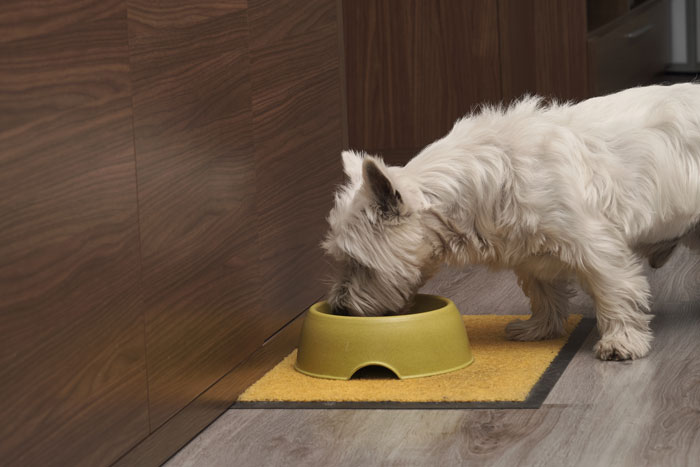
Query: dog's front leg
[
  {"x": 614, "y": 276},
  {"x": 549, "y": 303}
]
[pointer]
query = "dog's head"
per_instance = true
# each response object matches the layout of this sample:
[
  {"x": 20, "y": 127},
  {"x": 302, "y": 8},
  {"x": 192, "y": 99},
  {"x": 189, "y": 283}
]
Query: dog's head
[{"x": 377, "y": 238}]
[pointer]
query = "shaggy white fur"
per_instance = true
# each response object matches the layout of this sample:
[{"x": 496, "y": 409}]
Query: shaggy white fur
[{"x": 554, "y": 191}]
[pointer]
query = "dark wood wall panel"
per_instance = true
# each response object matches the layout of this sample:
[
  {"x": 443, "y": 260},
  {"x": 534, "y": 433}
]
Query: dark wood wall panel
[
  {"x": 298, "y": 137},
  {"x": 413, "y": 67},
  {"x": 21, "y": 19},
  {"x": 196, "y": 178},
  {"x": 165, "y": 173},
  {"x": 72, "y": 361},
  {"x": 173, "y": 15},
  {"x": 543, "y": 48},
  {"x": 272, "y": 21}
]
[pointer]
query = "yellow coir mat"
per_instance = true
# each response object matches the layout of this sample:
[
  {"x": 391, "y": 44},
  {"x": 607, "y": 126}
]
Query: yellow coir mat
[{"x": 505, "y": 374}]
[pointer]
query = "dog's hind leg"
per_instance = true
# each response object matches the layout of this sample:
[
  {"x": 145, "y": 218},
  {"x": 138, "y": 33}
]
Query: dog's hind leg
[
  {"x": 549, "y": 302},
  {"x": 615, "y": 278}
]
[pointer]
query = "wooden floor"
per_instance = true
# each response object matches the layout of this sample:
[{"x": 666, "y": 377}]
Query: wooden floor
[{"x": 638, "y": 413}]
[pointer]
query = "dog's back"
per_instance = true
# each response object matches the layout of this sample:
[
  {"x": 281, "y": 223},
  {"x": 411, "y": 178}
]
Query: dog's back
[
  {"x": 632, "y": 157},
  {"x": 643, "y": 154}
]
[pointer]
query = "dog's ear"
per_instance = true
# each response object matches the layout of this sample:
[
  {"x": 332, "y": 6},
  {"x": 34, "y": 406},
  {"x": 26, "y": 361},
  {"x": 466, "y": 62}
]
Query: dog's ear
[
  {"x": 352, "y": 165},
  {"x": 380, "y": 188}
]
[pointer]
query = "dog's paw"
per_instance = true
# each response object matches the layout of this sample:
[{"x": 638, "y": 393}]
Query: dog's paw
[
  {"x": 624, "y": 346},
  {"x": 530, "y": 330}
]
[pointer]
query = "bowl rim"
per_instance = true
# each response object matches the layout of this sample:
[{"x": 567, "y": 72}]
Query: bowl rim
[{"x": 447, "y": 307}]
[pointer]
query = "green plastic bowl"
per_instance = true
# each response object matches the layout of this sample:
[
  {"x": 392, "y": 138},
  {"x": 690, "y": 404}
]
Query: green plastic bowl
[{"x": 429, "y": 340}]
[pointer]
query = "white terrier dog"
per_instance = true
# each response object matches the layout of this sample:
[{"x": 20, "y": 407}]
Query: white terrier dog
[{"x": 555, "y": 192}]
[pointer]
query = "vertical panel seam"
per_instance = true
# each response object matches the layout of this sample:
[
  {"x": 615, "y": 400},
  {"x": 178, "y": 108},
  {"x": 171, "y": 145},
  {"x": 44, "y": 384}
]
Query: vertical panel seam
[{"x": 138, "y": 222}]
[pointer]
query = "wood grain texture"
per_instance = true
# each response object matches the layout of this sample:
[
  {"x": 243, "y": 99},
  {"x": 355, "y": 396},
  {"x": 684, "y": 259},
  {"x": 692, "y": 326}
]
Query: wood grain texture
[
  {"x": 341, "y": 70},
  {"x": 414, "y": 67},
  {"x": 543, "y": 48},
  {"x": 376, "y": 437},
  {"x": 644, "y": 412},
  {"x": 72, "y": 363},
  {"x": 21, "y": 19},
  {"x": 41, "y": 79},
  {"x": 272, "y": 21},
  {"x": 175, "y": 14},
  {"x": 678, "y": 280},
  {"x": 296, "y": 100},
  {"x": 193, "y": 141},
  {"x": 206, "y": 128}
]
